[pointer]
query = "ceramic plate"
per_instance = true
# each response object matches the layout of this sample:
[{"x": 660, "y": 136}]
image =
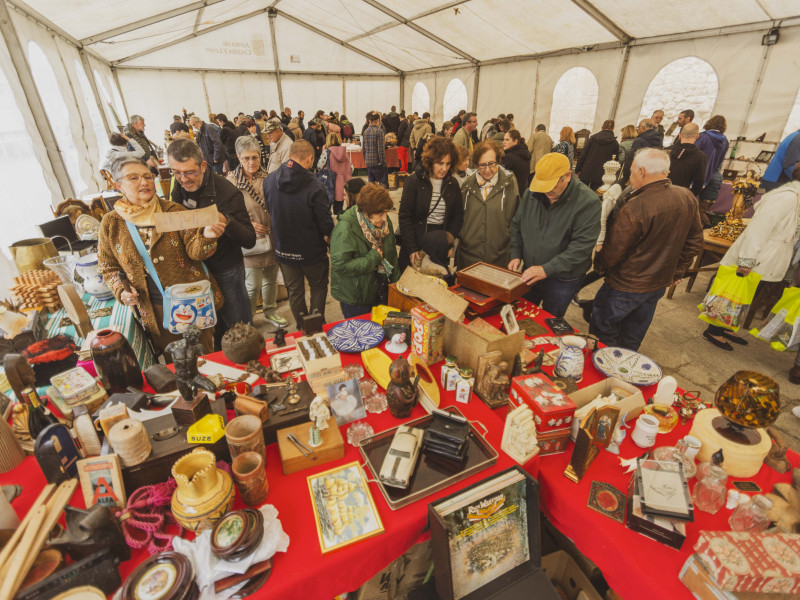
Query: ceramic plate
[
  {"x": 355, "y": 335},
  {"x": 628, "y": 365}
]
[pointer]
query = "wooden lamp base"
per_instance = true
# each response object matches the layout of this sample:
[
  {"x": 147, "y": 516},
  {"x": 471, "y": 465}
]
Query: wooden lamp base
[{"x": 741, "y": 460}]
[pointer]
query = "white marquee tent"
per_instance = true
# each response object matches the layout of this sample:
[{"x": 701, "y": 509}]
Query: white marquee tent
[{"x": 72, "y": 70}]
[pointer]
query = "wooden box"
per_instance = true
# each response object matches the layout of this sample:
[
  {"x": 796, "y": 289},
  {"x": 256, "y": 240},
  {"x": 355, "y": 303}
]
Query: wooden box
[
  {"x": 401, "y": 301},
  {"x": 553, "y": 442},
  {"x": 293, "y": 460},
  {"x": 281, "y": 420},
  {"x": 493, "y": 281}
]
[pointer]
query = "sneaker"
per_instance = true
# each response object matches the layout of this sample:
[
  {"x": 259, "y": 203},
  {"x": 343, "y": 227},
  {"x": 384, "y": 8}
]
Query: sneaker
[{"x": 276, "y": 320}]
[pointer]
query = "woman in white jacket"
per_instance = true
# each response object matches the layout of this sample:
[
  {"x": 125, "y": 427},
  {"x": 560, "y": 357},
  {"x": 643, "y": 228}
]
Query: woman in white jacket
[{"x": 768, "y": 246}]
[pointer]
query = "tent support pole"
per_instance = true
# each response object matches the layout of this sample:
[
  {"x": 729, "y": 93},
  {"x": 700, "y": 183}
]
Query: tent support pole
[
  {"x": 344, "y": 96},
  {"x": 115, "y": 73},
  {"x": 535, "y": 98},
  {"x": 402, "y": 92},
  {"x": 40, "y": 120},
  {"x": 87, "y": 68},
  {"x": 623, "y": 69},
  {"x": 205, "y": 93},
  {"x": 272, "y": 14},
  {"x": 475, "y": 89},
  {"x": 756, "y": 87}
]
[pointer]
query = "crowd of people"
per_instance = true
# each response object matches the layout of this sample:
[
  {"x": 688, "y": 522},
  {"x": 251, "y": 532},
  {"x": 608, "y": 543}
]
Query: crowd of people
[{"x": 288, "y": 203}]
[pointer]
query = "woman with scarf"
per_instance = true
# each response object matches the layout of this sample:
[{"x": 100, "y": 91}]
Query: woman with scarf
[
  {"x": 176, "y": 255},
  {"x": 364, "y": 253},
  {"x": 260, "y": 266},
  {"x": 490, "y": 201}
]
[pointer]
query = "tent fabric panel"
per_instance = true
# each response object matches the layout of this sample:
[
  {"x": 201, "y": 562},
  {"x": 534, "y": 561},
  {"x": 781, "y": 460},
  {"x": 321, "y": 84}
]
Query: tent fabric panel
[
  {"x": 736, "y": 71},
  {"x": 227, "y": 10},
  {"x": 780, "y": 9},
  {"x": 508, "y": 88},
  {"x": 130, "y": 43},
  {"x": 244, "y": 45},
  {"x": 302, "y": 50},
  {"x": 364, "y": 95},
  {"x": 778, "y": 90},
  {"x": 309, "y": 94},
  {"x": 412, "y": 8},
  {"x": 661, "y": 17},
  {"x": 407, "y": 49},
  {"x": 340, "y": 18},
  {"x": 539, "y": 27},
  {"x": 231, "y": 93},
  {"x": 87, "y": 18}
]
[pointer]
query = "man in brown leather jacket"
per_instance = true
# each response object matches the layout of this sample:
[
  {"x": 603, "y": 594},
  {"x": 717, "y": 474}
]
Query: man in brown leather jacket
[{"x": 649, "y": 244}]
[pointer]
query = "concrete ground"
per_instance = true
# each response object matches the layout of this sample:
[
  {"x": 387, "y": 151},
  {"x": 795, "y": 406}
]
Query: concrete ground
[{"x": 674, "y": 341}]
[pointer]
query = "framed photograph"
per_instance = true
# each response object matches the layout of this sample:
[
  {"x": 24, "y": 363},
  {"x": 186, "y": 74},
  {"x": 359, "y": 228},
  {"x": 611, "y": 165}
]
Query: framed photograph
[
  {"x": 765, "y": 156},
  {"x": 729, "y": 174},
  {"x": 663, "y": 489},
  {"x": 344, "y": 510},
  {"x": 509, "y": 319},
  {"x": 603, "y": 424},
  {"x": 345, "y": 401},
  {"x": 101, "y": 481},
  {"x": 285, "y": 362}
]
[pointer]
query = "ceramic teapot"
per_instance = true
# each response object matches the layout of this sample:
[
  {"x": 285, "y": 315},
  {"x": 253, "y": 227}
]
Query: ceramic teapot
[
  {"x": 571, "y": 359},
  {"x": 204, "y": 493}
]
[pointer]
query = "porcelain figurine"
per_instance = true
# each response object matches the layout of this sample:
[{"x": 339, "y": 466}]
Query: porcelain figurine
[
  {"x": 319, "y": 413},
  {"x": 570, "y": 361},
  {"x": 92, "y": 280},
  {"x": 519, "y": 435},
  {"x": 401, "y": 393},
  {"x": 204, "y": 493},
  {"x": 397, "y": 345},
  {"x": 185, "y": 353}
]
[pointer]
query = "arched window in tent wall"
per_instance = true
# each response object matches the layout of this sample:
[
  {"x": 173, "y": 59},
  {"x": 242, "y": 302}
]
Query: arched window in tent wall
[
  {"x": 793, "y": 123},
  {"x": 420, "y": 99},
  {"x": 685, "y": 83},
  {"x": 574, "y": 101},
  {"x": 57, "y": 113},
  {"x": 455, "y": 98}
]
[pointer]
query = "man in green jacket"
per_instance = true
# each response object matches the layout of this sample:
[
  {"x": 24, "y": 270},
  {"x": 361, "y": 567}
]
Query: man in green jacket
[{"x": 553, "y": 233}]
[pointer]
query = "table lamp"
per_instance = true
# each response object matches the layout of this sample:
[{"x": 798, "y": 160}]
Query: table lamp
[{"x": 746, "y": 404}]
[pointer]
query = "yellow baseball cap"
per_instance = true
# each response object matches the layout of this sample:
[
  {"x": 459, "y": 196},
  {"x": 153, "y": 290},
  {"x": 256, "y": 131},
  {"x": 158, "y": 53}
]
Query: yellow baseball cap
[{"x": 550, "y": 168}]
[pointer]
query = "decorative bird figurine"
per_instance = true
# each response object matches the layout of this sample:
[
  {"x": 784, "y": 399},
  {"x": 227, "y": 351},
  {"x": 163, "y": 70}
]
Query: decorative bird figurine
[{"x": 629, "y": 464}]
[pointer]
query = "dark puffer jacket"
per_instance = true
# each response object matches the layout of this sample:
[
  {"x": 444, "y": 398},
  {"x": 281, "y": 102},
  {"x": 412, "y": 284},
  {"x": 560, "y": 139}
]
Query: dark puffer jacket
[
  {"x": 598, "y": 150},
  {"x": 517, "y": 159}
]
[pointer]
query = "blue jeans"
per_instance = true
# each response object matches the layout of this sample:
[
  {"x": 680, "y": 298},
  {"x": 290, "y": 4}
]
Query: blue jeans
[
  {"x": 622, "y": 318},
  {"x": 354, "y": 310},
  {"x": 554, "y": 294},
  {"x": 237, "y": 303},
  {"x": 379, "y": 174}
]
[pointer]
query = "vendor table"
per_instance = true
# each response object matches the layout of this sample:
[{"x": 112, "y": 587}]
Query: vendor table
[
  {"x": 121, "y": 319},
  {"x": 357, "y": 158},
  {"x": 633, "y": 565},
  {"x": 711, "y": 245}
]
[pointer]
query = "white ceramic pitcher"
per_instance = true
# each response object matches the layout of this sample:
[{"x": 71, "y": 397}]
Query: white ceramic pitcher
[{"x": 570, "y": 362}]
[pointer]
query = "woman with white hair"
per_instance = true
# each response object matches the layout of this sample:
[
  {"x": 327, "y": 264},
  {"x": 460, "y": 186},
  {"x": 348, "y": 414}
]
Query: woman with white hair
[{"x": 260, "y": 266}]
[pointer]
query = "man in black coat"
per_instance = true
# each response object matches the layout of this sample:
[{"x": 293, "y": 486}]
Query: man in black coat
[
  {"x": 197, "y": 186},
  {"x": 648, "y": 138},
  {"x": 687, "y": 163},
  {"x": 210, "y": 143},
  {"x": 598, "y": 150},
  {"x": 228, "y": 135},
  {"x": 310, "y": 135},
  {"x": 391, "y": 121}
]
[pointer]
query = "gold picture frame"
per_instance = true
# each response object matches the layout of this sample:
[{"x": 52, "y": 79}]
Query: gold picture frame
[{"x": 339, "y": 488}]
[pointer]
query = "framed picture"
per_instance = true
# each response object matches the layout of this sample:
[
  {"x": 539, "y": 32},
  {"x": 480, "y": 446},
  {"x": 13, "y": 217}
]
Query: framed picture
[
  {"x": 345, "y": 401},
  {"x": 509, "y": 319},
  {"x": 765, "y": 156},
  {"x": 285, "y": 362},
  {"x": 603, "y": 424},
  {"x": 729, "y": 174},
  {"x": 101, "y": 481},
  {"x": 344, "y": 510},
  {"x": 663, "y": 489}
]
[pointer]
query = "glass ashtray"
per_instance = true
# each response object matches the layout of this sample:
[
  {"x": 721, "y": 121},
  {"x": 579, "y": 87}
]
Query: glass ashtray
[
  {"x": 368, "y": 387},
  {"x": 671, "y": 453},
  {"x": 666, "y": 416},
  {"x": 358, "y": 431},
  {"x": 376, "y": 403},
  {"x": 354, "y": 371}
]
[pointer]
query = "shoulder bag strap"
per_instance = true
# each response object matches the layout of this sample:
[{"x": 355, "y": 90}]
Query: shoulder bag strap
[{"x": 148, "y": 263}]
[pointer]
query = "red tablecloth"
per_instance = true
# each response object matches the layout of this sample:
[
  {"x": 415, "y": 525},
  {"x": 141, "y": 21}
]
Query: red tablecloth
[{"x": 357, "y": 158}]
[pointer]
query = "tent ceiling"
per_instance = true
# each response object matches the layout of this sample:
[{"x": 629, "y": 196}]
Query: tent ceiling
[{"x": 404, "y": 35}]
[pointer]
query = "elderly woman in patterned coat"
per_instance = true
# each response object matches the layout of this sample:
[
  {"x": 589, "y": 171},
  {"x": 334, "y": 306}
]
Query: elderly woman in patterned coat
[{"x": 176, "y": 255}]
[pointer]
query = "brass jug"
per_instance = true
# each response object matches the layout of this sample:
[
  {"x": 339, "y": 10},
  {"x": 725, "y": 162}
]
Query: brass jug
[{"x": 29, "y": 254}]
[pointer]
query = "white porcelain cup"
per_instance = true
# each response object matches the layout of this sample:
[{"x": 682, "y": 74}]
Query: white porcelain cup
[
  {"x": 644, "y": 434},
  {"x": 693, "y": 446}
]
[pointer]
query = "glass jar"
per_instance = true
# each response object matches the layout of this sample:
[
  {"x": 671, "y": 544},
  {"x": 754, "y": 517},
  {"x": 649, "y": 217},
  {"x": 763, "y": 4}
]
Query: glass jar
[
  {"x": 751, "y": 516},
  {"x": 709, "y": 491},
  {"x": 449, "y": 374},
  {"x": 464, "y": 385}
]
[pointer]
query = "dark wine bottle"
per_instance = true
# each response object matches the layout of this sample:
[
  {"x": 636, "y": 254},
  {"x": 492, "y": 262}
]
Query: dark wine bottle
[{"x": 38, "y": 419}]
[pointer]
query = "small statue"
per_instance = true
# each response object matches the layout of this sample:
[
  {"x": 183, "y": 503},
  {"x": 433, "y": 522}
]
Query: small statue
[
  {"x": 776, "y": 458},
  {"x": 280, "y": 338},
  {"x": 184, "y": 353},
  {"x": 618, "y": 436},
  {"x": 19, "y": 372},
  {"x": 401, "y": 393},
  {"x": 536, "y": 366},
  {"x": 496, "y": 383},
  {"x": 320, "y": 414},
  {"x": 397, "y": 345}
]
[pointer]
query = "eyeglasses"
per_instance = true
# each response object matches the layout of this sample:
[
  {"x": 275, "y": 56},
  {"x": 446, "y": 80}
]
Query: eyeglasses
[
  {"x": 136, "y": 178},
  {"x": 489, "y": 165},
  {"x": 181, "y": 174},
  {"x": 250, "y": 159}
]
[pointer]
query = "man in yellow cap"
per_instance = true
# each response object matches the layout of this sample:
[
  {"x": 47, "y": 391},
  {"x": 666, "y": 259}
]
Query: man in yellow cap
[{"x": 553, "y": 234}]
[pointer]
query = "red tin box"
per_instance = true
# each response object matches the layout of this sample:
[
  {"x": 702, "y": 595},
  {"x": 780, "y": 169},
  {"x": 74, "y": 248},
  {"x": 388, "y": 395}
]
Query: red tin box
[{"x": 552, "y": 409}]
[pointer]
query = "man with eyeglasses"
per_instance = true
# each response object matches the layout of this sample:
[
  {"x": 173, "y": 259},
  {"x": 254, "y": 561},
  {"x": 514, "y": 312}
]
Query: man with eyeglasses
[
  {"x": 135, "y": 131},
  {"x": 210, "y": 143},
  {"x": 195, "y": 185},
  {"x": 279, "y": 145},
  {"x": 553, "y": 234},
  {"x": 463, "y": 136}
]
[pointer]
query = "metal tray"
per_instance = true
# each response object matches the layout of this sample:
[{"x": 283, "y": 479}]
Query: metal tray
[{"x": 430, "y": 475}]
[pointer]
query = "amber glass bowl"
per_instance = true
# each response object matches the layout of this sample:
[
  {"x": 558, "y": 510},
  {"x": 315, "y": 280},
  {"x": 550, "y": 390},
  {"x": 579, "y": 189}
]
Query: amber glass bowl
[{"x": 749, "y": 399}]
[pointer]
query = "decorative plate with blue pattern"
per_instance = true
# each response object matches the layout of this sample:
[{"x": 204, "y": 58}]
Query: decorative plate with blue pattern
[
  {"x": 627, "y": 365},
  {"x": 355, "y": 335}
]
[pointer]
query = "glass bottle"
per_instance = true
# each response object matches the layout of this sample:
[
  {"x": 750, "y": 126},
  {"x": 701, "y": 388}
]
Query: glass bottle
[
  {"x": 449, "y": 373},
  {"x": 709, "y": 491},
  {"x": 38, "y": 419},
  {"x": 464, "y": 385},
  {"x": 752, "y": 515}
]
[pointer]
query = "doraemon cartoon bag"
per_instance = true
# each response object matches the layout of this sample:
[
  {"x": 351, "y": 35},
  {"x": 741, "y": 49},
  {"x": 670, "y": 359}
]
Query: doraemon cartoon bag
[{"x": 184, "y": 303}]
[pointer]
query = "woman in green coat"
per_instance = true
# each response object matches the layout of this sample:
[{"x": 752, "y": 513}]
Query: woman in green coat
[{"x": 363, "y": 252}]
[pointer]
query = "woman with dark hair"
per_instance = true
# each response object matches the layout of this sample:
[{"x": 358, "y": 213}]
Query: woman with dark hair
[
  {"x": 364, "y": 253},
  {"x": 118, "y": 149},
  {"x": 517, "y": 158},
  {"x": 599, "y": 149},
  {"x": 431, "y": 199},
  {"x": 334, "y": 157},
  {"x": 566, "y": 144},
  {"x": 714, "y": 144},
  {"x": 490, "y": 201}
]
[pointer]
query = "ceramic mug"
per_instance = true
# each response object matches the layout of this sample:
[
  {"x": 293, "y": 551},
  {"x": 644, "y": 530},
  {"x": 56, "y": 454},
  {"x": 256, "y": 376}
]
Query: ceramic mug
[
  {"x": 693, "y": 446},
  {"x": 245, "y": 434},
  {"x": 250, "y": 476},
  {"x": 644, "y": 434}
]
